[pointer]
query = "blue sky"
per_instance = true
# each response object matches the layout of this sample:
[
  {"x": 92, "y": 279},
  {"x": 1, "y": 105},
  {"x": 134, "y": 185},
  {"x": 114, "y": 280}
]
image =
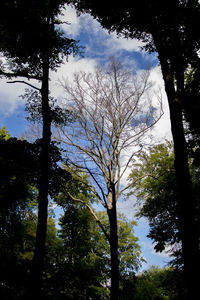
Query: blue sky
[{"x": 99, "y": 46}]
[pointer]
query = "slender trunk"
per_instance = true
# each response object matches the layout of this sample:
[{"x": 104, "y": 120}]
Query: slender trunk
[
  {"x": 185, "y": 194},
  {"x": 39, "y": 253},
  {"x": 112, "y": 214}
]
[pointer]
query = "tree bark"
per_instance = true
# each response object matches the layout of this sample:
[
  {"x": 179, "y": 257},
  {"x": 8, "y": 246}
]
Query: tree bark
[
  {"x": 39, "y": 254},
  {"x": 112, "y": 214},
  {"x": 183, "y": 178}
]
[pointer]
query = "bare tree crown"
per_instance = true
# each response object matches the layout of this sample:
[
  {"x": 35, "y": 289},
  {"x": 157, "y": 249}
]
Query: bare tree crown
[{"x": 113, "y": 112}]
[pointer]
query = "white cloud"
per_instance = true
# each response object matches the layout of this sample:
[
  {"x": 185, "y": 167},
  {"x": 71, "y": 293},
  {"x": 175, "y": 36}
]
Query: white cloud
[
  {"x": 91, "y": 26},
  {"x": 9, "y": 97},
  {"x": 66, "y": 70},
  {"x": 115, "y": 43},
  {"x": 73, "y": 24},
  {"x": 72, "y": 28},
  {"x": 148, "y": 247},
  {"x": 162, "y": 130},
  {"x": 127, "y": 207},
  {"x": 85, "y": 23}
]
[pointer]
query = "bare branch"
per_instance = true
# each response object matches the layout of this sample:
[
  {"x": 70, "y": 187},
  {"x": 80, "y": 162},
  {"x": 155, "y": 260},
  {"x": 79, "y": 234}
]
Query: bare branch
[
  {"x": 99, "y": 186},
  {"x": 24, "y": 82},
  {"x": 114, "y": 113},
  {"x": 89, "y": 186}
]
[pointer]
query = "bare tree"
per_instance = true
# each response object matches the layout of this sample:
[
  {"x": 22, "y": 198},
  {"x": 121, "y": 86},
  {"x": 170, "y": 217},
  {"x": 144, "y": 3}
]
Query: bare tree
[{"x": 113, "y": 113}]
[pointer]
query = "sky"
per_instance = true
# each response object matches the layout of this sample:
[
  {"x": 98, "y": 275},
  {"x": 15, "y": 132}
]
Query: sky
[{"x": 98, "y": 45}]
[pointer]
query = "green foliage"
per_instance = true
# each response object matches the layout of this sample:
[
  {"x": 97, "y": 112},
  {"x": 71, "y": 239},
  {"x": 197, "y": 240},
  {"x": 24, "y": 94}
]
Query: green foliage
[
  {"x": 4, "y": 134},
  {"x": 88, "y": 251},
  {"x": 155, "y": 283},
  {"x": 86, "y": 272},
  {"x": 17, "y": 250},
  {"x": 129, "y": 250},
  {"x": 154, "y": 184},
  {"x": 77, "y": 186},
  {"x": 149, "y": 287}
]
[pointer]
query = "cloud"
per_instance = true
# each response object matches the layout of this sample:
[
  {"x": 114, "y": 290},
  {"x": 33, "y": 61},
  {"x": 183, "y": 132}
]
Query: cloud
[
  {"x": 93, "y": 36},
  {"x": 127, "y": 207},
  {"x": 162, "y": 130},
  {"x": 148, "y": 247},
  {"x": 115, "y": 43},
  {"x": 73, "y": 65},
  {"x": 9, "y": 97},
  {"x": 71, "y": 22}
]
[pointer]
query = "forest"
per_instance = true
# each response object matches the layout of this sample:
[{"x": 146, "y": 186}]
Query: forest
[{"x": 94, "y": 149}]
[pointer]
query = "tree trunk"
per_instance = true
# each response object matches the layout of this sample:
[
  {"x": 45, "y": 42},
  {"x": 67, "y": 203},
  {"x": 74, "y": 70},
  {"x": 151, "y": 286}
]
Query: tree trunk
[
  {"x": 39, "y": 254},
  {"x": 112, "y": 214},
  {"x": 184, "y": 186}
]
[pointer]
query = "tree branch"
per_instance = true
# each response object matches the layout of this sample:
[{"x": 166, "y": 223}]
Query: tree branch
[
  {"x": 91, "y": 187},
  {"x": 20, "y": 74},
  {"x": 99, "y": 186},
  {"x": 93, "y": 213},
  {"x": 24, "y": 82}
]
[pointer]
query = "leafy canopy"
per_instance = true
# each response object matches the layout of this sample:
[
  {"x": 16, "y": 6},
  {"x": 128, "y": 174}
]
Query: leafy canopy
[{"x": 29, "y": 32}]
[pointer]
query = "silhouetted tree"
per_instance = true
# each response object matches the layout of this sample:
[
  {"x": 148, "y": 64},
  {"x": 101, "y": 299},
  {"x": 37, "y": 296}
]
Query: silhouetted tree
[{"x": 34, "y": 46}]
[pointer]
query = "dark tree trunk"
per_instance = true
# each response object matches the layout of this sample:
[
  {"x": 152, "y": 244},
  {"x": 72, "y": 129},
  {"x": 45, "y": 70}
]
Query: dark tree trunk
[
  {"x": 183, "y": 178},
  {"x": 112, "y": 214},
  {"x": 39, "y": 254}
]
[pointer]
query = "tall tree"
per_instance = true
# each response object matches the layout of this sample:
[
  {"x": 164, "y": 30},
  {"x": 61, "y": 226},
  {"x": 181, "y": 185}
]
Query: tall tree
[
  {"x": 87, "y": 248},
  {"x": 109, "y": 129},
  {"x": 177, "y": 42},
  {"x": 38, "y": 48}
]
